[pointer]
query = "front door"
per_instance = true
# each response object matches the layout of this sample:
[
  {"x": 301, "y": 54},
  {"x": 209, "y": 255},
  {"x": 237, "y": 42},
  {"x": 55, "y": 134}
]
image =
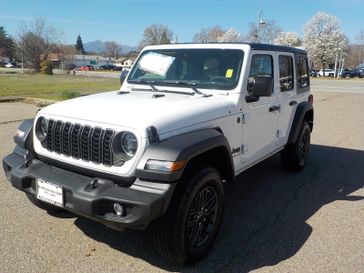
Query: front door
[{"x": 260, "y": 121}]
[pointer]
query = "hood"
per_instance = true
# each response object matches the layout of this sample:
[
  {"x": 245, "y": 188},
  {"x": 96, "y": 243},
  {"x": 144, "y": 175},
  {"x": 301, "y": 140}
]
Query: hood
[{"x": 139, "y": 110}]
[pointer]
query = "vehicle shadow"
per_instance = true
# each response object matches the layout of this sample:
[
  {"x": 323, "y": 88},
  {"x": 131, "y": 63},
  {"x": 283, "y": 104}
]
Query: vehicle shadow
[{"x": 266, "y": 210}]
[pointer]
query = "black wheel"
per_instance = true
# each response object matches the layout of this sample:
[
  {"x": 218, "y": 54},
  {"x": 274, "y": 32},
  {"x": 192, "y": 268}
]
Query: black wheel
[
  {"x": 294, "y": 156},
  {"x": 42, "y": 205},
  {"x": 186, "y": 232}
]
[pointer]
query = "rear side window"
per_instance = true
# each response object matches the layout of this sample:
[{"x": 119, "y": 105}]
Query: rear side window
[
  {"x": 303, "y": 80},
  {"x": 286, "y": 73}
]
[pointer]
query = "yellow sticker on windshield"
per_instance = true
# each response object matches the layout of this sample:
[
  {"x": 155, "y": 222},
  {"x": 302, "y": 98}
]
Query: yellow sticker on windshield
[{"x": 229, "y": 73}]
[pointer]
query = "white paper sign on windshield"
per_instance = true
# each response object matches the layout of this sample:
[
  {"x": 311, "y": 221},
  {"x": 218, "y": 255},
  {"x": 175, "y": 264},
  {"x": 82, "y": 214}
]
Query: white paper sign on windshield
[{"x": 156, "y": 63}]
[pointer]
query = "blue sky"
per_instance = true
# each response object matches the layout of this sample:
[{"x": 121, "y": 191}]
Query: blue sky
[{"x": 124, "y": 20}]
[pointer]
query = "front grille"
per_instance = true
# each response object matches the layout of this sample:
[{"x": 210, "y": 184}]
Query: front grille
[{"x": 81, "y": 142}]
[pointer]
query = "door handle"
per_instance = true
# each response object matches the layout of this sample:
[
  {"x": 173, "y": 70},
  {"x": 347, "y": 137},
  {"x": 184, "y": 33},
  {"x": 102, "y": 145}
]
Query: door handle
[
  {"x": 274, "y": 108},
  {"x": 292, "y": 102}
]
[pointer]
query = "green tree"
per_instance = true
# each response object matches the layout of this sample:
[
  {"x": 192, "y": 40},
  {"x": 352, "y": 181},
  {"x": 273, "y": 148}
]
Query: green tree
[
  {"x": 165, "y": 39},
  {"x": 155, "y": 35},
  {"x": 37, "y": 40},
  {"x": 7, "y": 46},
  {"x": 79, "y": 46}
]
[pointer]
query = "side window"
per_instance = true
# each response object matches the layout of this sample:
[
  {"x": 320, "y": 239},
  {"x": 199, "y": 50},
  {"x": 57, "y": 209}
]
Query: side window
[
  {"x": 303, "y": 80},
  {"x": 286, "y": 73},
  {"x": 261, "y": 66}
]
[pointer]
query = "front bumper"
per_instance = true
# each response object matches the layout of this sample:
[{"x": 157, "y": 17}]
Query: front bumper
[{"x": 93, "y": 197}]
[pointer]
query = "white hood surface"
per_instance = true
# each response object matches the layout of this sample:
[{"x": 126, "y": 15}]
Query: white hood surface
[{"x": 139, "y": 110}]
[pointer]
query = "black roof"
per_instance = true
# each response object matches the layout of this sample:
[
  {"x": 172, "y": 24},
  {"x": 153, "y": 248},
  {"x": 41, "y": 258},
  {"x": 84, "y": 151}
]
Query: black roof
[{"x": 267, "y": 47}]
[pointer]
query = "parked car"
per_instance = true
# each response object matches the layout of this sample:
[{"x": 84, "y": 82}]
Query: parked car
[
  {"x": 328, "y": 73},
  {"x": 85, "y": 68},
  {"x": 159, "y": 150},
  {"x": 69, "y": 66},
  {"x": 351, "y": 73},
  {"x": 358, "y": 72},
  {"x": 10, "y": 65},
  {"x": 107, "y": 67},
  {"x": 346, "y": 73},
  {"x": 118, "y": 68},
  {"x": 313, "y": 73},
  {"x": 362, "y": 71}
]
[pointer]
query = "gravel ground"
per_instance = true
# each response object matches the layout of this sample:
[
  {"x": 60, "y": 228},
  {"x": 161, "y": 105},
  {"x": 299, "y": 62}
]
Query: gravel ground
[{"x": 274, "y": 221}]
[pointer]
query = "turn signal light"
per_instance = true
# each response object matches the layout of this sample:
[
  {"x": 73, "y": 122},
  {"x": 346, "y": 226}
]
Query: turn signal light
[{"x": 164, "y": 166}]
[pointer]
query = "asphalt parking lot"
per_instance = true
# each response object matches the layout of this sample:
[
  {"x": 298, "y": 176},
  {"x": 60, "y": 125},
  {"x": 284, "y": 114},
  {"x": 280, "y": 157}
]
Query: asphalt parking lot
[{"x": 274, "y": 221}]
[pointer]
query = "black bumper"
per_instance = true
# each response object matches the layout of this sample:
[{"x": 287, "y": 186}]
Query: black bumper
[{"x": 93, "y": 197}]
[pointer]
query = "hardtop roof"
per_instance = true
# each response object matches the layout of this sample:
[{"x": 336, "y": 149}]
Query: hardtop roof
[{"x": 253, "y": 46}]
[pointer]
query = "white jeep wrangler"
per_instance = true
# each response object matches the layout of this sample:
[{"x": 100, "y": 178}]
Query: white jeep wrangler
[{"x": 187, "y": 118}]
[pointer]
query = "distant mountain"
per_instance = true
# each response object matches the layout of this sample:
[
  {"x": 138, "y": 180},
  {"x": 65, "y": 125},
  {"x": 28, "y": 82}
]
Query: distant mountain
[{"x": 98, "y": 46}]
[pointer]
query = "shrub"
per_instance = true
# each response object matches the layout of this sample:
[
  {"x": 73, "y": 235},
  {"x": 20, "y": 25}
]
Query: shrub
[
  {"x": 70, "y": 94},
  {"x": 46, "y": 67}
]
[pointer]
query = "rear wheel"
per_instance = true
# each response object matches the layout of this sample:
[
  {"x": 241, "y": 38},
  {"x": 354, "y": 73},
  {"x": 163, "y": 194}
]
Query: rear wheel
[
  {"x": 294, "y": 156},
  {"x": 186, "y": 232}
]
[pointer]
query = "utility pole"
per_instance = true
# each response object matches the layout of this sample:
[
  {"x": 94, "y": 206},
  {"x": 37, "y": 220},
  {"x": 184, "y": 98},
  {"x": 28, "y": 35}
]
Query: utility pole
[
  {"x": 22, "y": 62},
  {"x": 260, "y": 24}
]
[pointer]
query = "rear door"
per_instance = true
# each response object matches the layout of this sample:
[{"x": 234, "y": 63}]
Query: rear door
[{"x": 286, "y": 94}]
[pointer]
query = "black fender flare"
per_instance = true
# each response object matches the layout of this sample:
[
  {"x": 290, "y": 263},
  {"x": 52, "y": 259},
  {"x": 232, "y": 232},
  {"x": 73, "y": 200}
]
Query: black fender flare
[
  {"x": 186, "y": 146},
  {"x": 302, "y": 109},
  {"x": 24, "y": 139}
]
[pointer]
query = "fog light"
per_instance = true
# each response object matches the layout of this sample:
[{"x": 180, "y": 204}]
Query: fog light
[{"x": 119, "y": 209}]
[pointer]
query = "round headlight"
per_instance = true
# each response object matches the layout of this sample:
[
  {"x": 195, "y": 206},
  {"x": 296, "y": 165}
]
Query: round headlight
[
  {"x": 129, "y": 143},
  {"x": 42, "y": 128}
]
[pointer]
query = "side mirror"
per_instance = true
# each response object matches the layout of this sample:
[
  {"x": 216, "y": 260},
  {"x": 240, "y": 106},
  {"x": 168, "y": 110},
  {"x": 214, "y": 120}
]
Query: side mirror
[{"x": 261, "y": 87}]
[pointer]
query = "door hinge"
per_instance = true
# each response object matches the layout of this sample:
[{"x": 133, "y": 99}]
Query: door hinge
[
  {"x": 244, "y": 118},
  {"x": 244, "y": 149}
]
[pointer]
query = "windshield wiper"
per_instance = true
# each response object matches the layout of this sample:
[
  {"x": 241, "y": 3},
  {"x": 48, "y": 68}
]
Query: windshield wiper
[
  {"x": 191, "y": 85},
  {"x": 150, "y": 83}
]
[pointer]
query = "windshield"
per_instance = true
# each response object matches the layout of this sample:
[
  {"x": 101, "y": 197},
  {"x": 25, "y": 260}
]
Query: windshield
[{"x": 202, "y": 68}]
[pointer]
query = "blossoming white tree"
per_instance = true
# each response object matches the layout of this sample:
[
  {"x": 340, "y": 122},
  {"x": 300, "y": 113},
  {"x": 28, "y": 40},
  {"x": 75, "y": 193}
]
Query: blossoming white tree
[
  {"x": 230, "y": 36},
  {"x": 324, "y": 40},
  {"x": 209, "y": 35},
  {"x": 288, "y": 39}
]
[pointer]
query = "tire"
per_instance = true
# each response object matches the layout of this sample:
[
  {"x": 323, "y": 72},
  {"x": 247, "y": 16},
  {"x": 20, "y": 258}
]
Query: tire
[
  {"x": 294, "y": 156},
  {"x": 43, "y": 205},
  {"x": 187, "y": 231}
]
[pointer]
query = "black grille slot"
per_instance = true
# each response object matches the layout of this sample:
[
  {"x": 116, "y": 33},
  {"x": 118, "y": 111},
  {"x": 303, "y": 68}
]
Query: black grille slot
[
  {"x": 66, "y": 137},
  {"x": 96, "y": 153},
  {"x": 106, "y": 147},
  {"x": 57, "y": 136},
  {"x": 50, "y": 134},
  {"x": 85, "y": 142},
  {"x": 75, "y": 136},
  {"x": 85, "y": 139}
]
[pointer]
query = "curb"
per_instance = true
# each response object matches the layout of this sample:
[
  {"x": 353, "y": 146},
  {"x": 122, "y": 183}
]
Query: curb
[{"x": 38, "y": 102}]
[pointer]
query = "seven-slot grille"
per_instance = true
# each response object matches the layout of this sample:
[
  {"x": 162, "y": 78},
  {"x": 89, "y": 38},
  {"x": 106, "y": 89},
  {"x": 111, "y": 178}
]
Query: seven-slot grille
[{"x": 81, "y": 142}]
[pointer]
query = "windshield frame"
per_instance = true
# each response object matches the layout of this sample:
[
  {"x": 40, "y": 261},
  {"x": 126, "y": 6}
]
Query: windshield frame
[{"x": 186, "y": 83}]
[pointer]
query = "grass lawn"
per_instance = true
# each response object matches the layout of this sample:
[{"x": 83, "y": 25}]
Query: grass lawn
[{"x": 52, "y": 87}]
